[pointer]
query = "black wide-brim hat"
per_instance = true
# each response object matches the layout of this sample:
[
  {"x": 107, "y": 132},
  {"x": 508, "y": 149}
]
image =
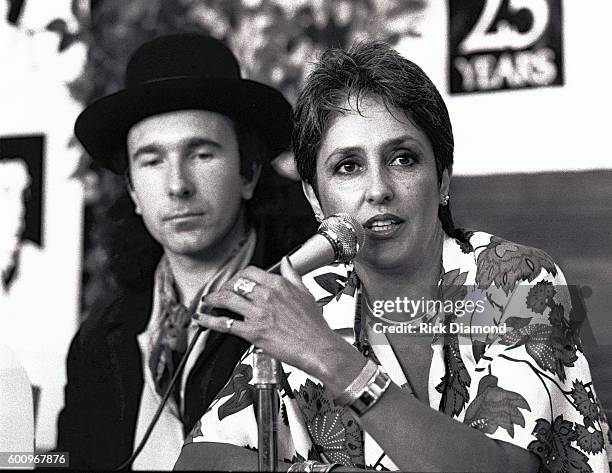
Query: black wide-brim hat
[{"x": 181, "y": 72}]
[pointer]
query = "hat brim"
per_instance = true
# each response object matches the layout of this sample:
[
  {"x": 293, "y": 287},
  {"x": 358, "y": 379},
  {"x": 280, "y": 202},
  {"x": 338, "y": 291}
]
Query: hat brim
[{"x": 102, "y": 127}]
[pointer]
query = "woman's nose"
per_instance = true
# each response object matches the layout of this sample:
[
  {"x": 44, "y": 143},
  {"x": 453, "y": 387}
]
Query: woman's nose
[
  {"x": 380, "y": 187},
  {"x": 179, "y": 180}
]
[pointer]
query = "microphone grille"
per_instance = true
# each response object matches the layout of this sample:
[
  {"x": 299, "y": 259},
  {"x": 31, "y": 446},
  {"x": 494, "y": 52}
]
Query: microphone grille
[{"x": 346, "y": 235}]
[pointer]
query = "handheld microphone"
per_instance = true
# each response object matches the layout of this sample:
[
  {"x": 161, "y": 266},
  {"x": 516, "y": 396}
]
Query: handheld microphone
[{"x": 338, "y": 240}]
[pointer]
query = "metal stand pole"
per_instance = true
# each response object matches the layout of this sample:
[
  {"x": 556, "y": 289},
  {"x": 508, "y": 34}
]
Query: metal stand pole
[{"x": 266, "y": 377}]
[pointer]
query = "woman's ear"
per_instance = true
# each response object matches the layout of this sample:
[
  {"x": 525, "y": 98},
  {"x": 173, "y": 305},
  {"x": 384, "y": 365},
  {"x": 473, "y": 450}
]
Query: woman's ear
[
  {"x": 445, "y": 182},
  {"x": 313, "y": 200},
  {"x": 248, "y": 186}
]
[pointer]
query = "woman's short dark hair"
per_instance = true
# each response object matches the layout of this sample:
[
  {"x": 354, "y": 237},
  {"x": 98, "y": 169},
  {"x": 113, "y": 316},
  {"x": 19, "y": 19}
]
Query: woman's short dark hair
[{"x": 370, "y": 69}]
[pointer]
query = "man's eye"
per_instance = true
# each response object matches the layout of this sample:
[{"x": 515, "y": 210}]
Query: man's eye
[
  {"x": 202, "y": 155},
  {"x": 149, "y": 162},
  {"x": 403, "y": 159}
]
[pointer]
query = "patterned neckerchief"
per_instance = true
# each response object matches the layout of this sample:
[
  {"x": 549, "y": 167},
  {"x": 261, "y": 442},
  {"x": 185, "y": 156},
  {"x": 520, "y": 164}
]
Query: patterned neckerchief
[{"x": 172, "y": 332}]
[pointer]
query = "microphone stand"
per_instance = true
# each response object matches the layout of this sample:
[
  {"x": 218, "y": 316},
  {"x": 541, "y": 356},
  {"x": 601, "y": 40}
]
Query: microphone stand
[{"x": 266, "y": 377}]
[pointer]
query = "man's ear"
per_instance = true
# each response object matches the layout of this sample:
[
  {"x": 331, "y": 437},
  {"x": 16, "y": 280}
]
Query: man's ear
[
  {"x": 134, "y": 198},
  {"x": 313, "y": 200},
  {"x": 248, "y": 185},
  {"x": 127, "y": 181}
]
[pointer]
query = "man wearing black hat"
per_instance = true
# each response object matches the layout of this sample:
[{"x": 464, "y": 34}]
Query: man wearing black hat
[{"x": 196, "y": 136}]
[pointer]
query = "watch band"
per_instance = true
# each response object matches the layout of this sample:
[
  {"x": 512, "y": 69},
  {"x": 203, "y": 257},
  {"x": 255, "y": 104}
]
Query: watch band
[
  {"x": 371, "y": 393},
  {"x": 353, "y": 390}
]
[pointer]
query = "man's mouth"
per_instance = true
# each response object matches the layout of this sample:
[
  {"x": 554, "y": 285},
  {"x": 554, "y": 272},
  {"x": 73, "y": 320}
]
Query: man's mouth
[{"x": 184, "y": 216}]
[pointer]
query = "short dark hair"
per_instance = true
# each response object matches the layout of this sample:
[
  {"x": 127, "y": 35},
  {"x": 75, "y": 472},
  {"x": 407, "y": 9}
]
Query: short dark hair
[{"x": 370, "y": 69}]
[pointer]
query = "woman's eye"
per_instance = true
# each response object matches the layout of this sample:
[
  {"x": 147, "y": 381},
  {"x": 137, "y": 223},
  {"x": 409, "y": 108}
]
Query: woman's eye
[
  {"x": 347, "y": 167},
  {"x": 403, "y": 159}
]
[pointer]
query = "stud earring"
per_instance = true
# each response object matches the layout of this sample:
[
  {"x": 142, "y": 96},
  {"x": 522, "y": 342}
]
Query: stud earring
[
  {"x": 444, "y": 200},
  {"x": 137, "y": 210},
  {"x": 318, "y": 216}
]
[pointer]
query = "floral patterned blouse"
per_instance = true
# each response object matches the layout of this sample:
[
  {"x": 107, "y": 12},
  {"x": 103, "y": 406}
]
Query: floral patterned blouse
[{"x": 525, "y": 381}]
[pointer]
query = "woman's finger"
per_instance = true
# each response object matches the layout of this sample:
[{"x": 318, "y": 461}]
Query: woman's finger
[
  {"x": 226, "y": 299},
  {"x": 263, "y": 278},
  {"x": 221, "y": 324}
]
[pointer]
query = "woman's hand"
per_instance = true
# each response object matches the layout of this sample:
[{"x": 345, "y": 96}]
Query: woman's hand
[{"x": 280, "y": 316}]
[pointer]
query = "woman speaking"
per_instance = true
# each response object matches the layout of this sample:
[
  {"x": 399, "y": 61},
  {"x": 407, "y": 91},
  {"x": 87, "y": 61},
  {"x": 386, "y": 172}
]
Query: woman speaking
[{"x": 438, "y": 349}]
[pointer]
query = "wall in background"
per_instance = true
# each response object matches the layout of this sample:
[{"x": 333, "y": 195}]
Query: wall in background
[
  {"x": 529, "y": 130},
  {"x": 39, "y": 309}
]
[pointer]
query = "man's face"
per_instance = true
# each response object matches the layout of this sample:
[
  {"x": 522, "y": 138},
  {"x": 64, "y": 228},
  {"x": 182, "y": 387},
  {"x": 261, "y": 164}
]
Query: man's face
[{"x": 186, "y": 182}]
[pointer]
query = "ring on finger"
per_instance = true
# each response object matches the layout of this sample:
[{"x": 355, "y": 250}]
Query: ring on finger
[
  {"x": 244, "y": 286},
  {"x": 229, "y": 323}
]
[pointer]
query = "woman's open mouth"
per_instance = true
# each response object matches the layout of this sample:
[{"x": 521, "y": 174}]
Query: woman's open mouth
[{"x": 383, "y": 225}]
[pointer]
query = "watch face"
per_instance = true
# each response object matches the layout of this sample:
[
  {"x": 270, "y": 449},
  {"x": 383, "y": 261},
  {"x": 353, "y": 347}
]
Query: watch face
[{"x": 371, "y": 393}]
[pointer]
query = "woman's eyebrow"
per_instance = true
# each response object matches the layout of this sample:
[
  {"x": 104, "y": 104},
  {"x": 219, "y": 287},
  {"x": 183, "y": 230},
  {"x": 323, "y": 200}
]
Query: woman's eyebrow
[
  {"x": 342, "y": 150},
  {"x": 400, "y": 140}
]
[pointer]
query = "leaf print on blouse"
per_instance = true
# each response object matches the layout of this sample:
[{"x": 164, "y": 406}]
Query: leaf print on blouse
[
  {"x": 243, "y": 393},
  {"x": 553, "y": 446},
  {"x": 504, "y": 263},
  {"x": 195, "y": 432},
  {"x": 336, "y": 285},
  {"x": 334, "y": 432},
  {"x": 495, "y": 407},
  {"x": 590, "y": 442},
  {"x": 590, "y": 436},
  {"x": 312, "y": 455},
  {"x": 552, "y": 346},
  {"x": 540, "y": 296},
  {"x": 551, "y": 352},
  {"x": 456, "y": 379},
  {"x": 453, "y": 286},
  {"x": 585, "y": 403}
]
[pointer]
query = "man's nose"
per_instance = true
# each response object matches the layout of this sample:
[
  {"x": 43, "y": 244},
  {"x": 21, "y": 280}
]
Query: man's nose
[
  {"x": 179, "y": 180},
  {"x": 380, "y": 186}
]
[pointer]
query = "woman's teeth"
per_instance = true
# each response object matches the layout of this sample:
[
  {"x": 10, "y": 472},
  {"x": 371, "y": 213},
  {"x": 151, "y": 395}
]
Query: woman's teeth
[{"x": 383, "y": 225}]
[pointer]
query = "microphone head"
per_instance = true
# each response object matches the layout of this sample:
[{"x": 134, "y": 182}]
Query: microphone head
[{"x": 345, "y": 234}]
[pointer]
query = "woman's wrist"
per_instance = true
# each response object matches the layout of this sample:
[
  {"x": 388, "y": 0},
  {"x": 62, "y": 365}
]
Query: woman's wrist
[{"x": 337, "y": 365}]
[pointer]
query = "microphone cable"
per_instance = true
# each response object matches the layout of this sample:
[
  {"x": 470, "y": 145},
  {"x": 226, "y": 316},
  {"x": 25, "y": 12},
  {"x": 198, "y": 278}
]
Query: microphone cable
[
  {"x": 169, "y": 389},
  {"x": 173, "y": 381}
]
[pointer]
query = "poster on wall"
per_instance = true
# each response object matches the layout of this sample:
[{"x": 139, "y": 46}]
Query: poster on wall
[
  {"x": 504, "y": 45},
  {"x": 21, "y": 204},
  {"x": 26, "y": 152}
]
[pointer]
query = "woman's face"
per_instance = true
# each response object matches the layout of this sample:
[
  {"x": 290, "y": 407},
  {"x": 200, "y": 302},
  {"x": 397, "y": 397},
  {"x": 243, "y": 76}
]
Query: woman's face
[{"x": 380, "y": 168}]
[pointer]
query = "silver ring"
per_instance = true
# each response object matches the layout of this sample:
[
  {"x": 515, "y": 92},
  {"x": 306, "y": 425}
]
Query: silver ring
[
  {"x": 244, "y": 286},
  {"x": 229, "y": 323}
]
